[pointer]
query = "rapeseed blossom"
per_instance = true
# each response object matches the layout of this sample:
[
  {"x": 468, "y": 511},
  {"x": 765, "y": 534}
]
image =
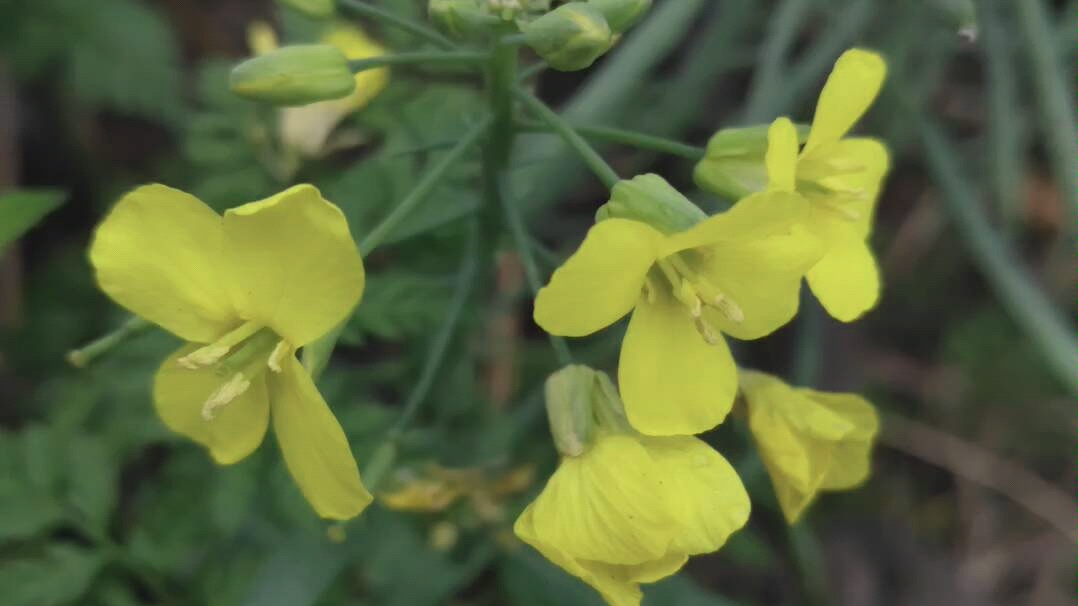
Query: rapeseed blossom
[
  {"x": 622, "y": 508},
  {"x": 737, "y": 273},
  {"x": 810, "y": 441},
  {"x": 245, "y": 291},
  {"x": 306, "y": 128}
]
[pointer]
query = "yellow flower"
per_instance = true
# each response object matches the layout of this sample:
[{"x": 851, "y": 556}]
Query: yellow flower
[
  {"x": 809, "y": 441},
  {"x": 245, "y": 291},
  {"x": 738, "y": 273},
  {"x": 307, "y": 128},
  {"x": 624, "y": 509},
  {"x": 840, "y": 178}
]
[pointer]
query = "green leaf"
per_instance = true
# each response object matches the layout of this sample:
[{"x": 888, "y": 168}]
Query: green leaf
[
  {"x": 59, "y": 576},
  {"x": 22, "y": 209},
  {"x": 680, "y": 590},
  {"x": 92, "y": 482},
  {"x": 528, "y": 579},
  {"x": 297, "y": 573},
  {"x": 398, "y": 305},
  {"x": 24, "y": 510}
]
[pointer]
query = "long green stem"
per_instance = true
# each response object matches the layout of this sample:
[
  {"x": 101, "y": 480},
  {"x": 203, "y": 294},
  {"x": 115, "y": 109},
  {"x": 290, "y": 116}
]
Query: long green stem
[
  {"x": 366, "y": 9},
  {"x": 595, "y": 162},
  {"x": 421, "y": 58},
  {"x": 1027, "y": 304},
  {"x": 627, "y": 137},
  {"x": 527, "y": 257},
  {"x": 80, "y": 358},
  {"x": 1054, "y": 94}
]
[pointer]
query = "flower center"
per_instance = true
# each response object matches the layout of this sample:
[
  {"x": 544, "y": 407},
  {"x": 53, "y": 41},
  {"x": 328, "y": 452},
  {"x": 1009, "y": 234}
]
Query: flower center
[
  {"x": 238, "y": 358},
  {"x": 696, "y": 292}
]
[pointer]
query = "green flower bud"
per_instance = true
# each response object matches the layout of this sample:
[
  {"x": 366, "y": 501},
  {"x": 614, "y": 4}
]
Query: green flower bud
[
  {"x": 650, "y": 199},
  {"x": 463, "y": 19},
  {"x": 621, "y": 14},
  {"x": 733, "y": 166},
  {"x": 579, "y": 402},
  {"x": 314, "y": 8},
  {"x": 294, "y": 75},
  {"x": 570, "y": 37}
]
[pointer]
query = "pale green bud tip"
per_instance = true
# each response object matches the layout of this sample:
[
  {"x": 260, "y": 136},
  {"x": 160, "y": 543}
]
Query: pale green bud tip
[
  {"x": 571, "y": 37},
  {"x": 462, "y": 18},
  {"x": 294, "y": 75},
  {"x": 650, "y": 199},
  {"x": 621, "y": 14},
  {"x": 581, "y": 401},
  {"x": 314, "y": 8},
  {"x": 734, "y": 165}
]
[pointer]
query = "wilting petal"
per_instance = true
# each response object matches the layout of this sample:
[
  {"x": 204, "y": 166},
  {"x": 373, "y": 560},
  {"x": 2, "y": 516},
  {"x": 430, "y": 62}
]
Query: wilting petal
[
  {"x": 846, "y": 281},
  {"x": 160, "y": 254},
  {"x": 781, "y": 158},
  {"x": 235, "y": 430},
  {"x": 314, "y": 445},
  {"x": 704, "y": 492},
  {"x": 601, "y": 282},
  {"x": 605, "y": 505},
  {"x": 672, "y": 381},
  {"x": 298, "y": 270},
  {"x": 850, "y": 90}
]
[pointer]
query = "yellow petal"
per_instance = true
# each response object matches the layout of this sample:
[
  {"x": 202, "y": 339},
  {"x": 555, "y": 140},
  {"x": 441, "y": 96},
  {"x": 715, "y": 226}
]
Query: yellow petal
[
  {"x": 605, "y": 505},
  {"x": 796, "y": 438},
  {"x": 781, "y": 158},
  {"x": 850, "y": 90},
  {"x": 846, "y": 281},
  {"x": 762, "y": 278},
  {"x": 672, "y": 381},
  {"x": 236, "y": 429},
  {"x": 757, "y": 216},
  {"x": 852, "y": 456},
  {"x": 872, "y": 160},
  {"x": 608, "y": 579},
  {"x": 261, "y": 38},
  {"x": 704, "y": 491},
  {"x": 356, "y": 45},
  {"x": 297, "y": 268},
  {"x": 314, "y": 445},
  {"x": 160, "y": 254},
  {"x": 601, "y": 281}
]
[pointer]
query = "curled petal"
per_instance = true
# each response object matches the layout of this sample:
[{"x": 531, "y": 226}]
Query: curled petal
[
  {"x": 781, "y": 158},
  {"x": 850, "y": 90}
]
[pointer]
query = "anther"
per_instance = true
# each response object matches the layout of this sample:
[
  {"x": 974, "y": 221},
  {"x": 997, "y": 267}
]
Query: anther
[
  {"x": 710, "y": 335},
  {"x": 234, "y": 388},
  {"x": 731, "y": 310},
  {"x": 278, "y": 356}
]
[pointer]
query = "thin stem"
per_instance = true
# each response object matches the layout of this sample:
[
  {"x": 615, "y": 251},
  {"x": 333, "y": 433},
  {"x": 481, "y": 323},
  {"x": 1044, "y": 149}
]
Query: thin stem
[
  {"x": 1054, "y": 95},
  {"x": 80, "y": 358},
  {"x": 420, "y": 57},
  {"x": 439, "y": 346},
  {"x": 1031, "y": 309},
  {"x": 531, "y": 71},
  {"x": 627, "y": 137},
  {"x": 595, "y": 162},
  {"x": 527, "y": 257},
  {"x": 426, "y": 185},
  {"x": 366, "y": 9}
]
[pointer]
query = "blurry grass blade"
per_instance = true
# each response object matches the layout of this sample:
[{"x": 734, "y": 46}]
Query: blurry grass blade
[
  {"x": 769, "y": 78},
  {"x": 22, "y": 209},
  {"x": 1026, "y": 302},
  {"x": 366, "y": 9},
  {"x": 1055, "y": 96}
]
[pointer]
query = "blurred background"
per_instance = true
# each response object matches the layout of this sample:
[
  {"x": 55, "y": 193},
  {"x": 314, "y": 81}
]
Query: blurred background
[{"x": 971, "y": 356}]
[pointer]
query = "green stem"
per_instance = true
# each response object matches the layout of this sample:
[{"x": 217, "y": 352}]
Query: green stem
[
  {"x": 1028, "y": 305},
  {"x": 531, "y": 268},
  {"x": 627, "y": 137},
  {"x": 80, "y": 358},
  {"x": 1055, "y": 96},
  {"x": 366, "y": 9},
  {"x": 595, "y": 162},
  {"x": 419, "y": 57},
  {"x": 431, "y": 178}
]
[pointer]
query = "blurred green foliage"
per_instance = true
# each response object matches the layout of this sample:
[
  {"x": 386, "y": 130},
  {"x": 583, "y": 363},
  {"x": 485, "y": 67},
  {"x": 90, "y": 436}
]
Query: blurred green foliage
[{"x": 99, "y": 504}]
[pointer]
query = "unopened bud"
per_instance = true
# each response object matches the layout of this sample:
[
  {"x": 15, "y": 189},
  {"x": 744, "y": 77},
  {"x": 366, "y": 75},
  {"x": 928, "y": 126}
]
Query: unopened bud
[
  {"x": 294, "y": 75},
  {"x": 463, "y": 19},
  {"x": 734, "y": 166},
  {"x": 314, "y": 8},
  {"x": 581, "y": 401},
  {"x": 570, "y": 37},
  {"x": 621, "y": 14},
  {"x": 650, "y": 199}
]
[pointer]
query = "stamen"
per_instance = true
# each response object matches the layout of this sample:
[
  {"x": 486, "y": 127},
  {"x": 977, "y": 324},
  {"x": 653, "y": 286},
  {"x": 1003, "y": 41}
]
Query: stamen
[
  {"x": 708, "y": 332},
  {"x": 282, "y": 350},
  {"x": 214, "y": 352},
  {"x": 234, "y": 388},
  {"x": 731, "y": 310}
]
